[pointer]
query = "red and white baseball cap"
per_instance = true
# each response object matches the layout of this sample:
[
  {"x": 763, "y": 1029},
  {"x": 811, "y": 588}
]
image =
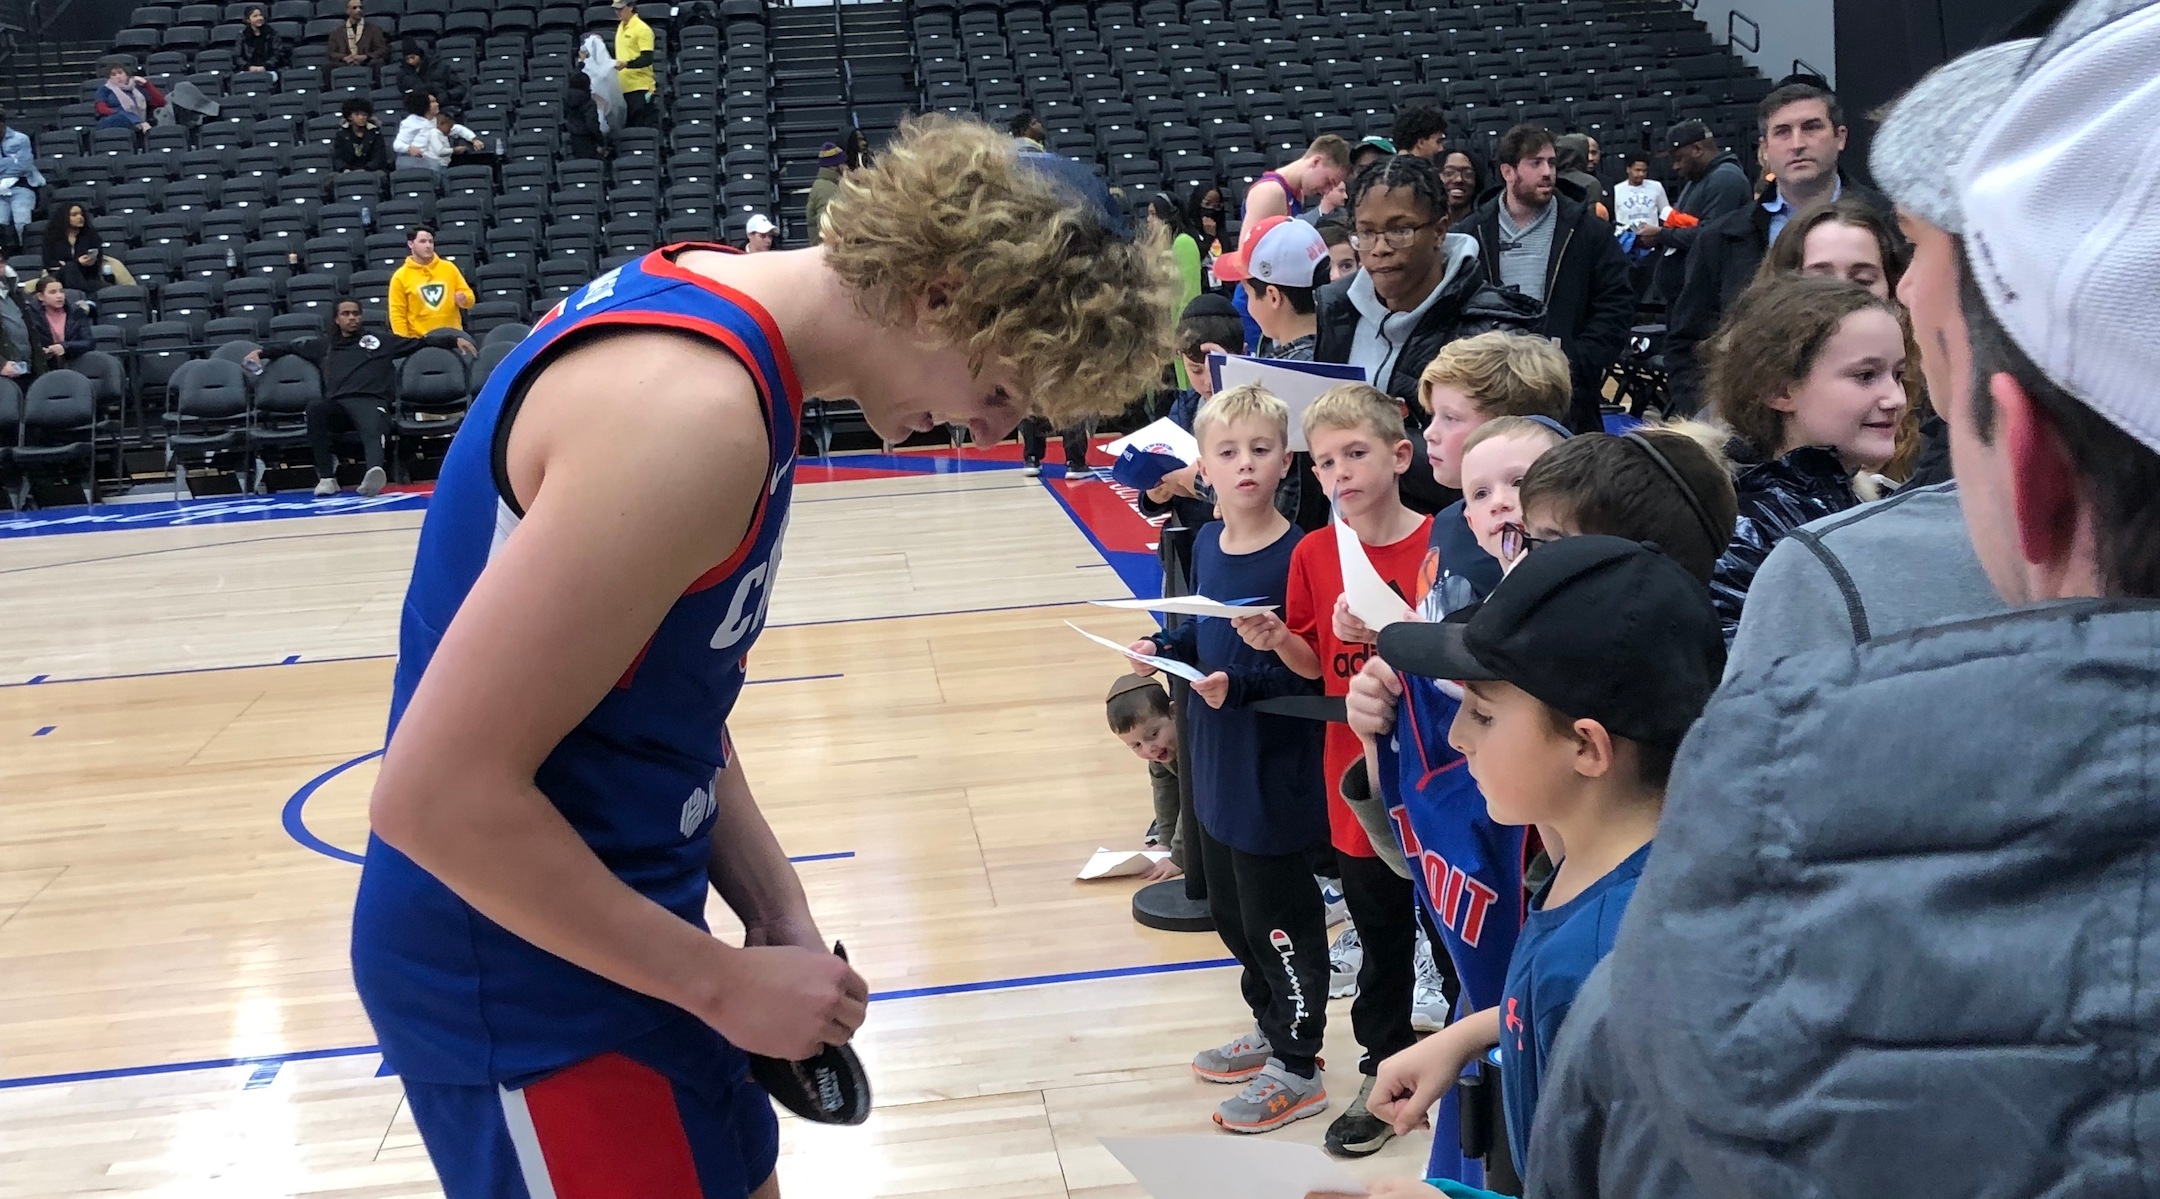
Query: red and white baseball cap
[{"x": 1280, "y": 250}]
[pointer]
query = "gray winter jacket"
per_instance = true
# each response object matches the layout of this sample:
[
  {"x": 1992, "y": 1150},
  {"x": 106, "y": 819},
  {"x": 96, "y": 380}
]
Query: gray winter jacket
[
  {"x": 1871, "y": 571},
  {"x": 1897, "y": 934}
]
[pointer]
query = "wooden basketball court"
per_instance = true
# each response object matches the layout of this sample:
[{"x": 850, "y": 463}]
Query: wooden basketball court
[{"x": 188, "y": 718}]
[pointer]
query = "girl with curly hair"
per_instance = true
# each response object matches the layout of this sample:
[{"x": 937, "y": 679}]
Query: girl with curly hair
[
  {"x": 1809, "y": 375},
  {"x": 559, "y": 793}
]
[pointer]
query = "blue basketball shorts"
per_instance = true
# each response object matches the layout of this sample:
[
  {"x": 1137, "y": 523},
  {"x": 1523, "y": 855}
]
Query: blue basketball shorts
[{"x": 673, "y": 1115}]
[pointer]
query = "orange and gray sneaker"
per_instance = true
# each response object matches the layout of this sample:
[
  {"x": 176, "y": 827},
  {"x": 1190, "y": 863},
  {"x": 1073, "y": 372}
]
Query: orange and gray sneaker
[
  {"x": 1236, "y": 1061},
  {"x": 1273, "y": 1098}
]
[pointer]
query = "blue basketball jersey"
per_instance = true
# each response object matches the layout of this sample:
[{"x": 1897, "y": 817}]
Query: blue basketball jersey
[{"x": 454, "y": 997}]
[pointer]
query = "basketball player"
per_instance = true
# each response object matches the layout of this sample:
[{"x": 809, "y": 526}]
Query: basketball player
[{"x": 559, "y": 790}]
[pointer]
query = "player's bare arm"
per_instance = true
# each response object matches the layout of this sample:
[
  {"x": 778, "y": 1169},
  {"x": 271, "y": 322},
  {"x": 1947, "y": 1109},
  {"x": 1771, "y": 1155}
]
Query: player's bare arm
[{"x": 621, "y": 461}]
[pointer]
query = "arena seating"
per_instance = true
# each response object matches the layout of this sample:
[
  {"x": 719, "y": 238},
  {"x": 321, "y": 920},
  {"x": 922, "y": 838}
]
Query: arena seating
[{"x": 238, "y": 232}]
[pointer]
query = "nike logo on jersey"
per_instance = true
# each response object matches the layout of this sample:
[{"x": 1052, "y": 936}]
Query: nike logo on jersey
[{"x": 780, "y": 472}]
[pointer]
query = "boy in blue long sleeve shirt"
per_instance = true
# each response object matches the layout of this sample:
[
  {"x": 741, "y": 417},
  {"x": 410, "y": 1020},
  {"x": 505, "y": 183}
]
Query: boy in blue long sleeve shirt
[{"x": 1256, "y": 776}]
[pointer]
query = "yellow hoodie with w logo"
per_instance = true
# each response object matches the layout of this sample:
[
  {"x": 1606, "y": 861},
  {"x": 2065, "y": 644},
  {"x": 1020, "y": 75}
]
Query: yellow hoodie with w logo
[{"x": 426, "y": 297}]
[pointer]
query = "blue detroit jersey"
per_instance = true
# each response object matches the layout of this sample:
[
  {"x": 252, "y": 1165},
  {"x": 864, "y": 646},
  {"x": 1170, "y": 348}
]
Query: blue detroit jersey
[
  {"x": 1466, "y": 868},
  {"x": 454, "y": 997},
  {"x": 1556, "y": 952}
]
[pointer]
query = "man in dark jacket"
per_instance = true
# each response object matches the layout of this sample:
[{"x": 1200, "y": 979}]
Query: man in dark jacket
[
  {"x": 1716, "y": 185},
  {"x": 359, "y": 373},
  {"x": 1809, "y": 994},
  {"x": 1418, "y": 290},
  {"x": 1536, "y": 235},
  {"x": 1803, "y": 133}
]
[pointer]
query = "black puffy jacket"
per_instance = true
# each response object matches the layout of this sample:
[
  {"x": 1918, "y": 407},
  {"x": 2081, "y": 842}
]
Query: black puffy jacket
[
  {"x": 1775, "y": 497},
  {"x": 1468, "y": 305}
]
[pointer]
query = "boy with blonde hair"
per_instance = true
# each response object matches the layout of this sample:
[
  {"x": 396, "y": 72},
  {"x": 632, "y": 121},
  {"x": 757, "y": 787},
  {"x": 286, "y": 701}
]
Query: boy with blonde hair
[
  {"x": 1468, "y": 383},
  {"x": 1359, "y": 452},
  {"x": 1255, "y": 777}
]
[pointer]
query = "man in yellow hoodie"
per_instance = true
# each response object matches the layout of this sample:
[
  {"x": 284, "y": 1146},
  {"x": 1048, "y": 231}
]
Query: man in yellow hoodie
[
  {"x": 634, "y": 49},
  {"x": 427, "y": 292}
]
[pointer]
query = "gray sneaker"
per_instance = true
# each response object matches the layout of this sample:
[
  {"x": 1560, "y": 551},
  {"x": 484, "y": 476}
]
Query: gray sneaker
[
  {"x": 1275, "y": 1098},
  {"x": 1428, "y": 998},
  {"x": 1235, "y": 1062},
  {"x": 373, "y": 482},
  {"x": 1357, "y": 1132}
]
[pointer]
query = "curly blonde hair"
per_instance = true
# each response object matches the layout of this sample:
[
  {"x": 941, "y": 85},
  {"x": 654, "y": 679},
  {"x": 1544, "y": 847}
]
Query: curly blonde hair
[{"x": 1028, "y": 275}]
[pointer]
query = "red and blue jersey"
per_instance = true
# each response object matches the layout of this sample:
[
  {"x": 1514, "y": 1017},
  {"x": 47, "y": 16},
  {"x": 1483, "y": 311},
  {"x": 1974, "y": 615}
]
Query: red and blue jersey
[{"x": 456, "y": 998}]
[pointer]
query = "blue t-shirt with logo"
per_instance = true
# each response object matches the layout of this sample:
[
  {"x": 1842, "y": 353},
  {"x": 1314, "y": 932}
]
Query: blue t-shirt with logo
[{"x": 1555, "y": 952}]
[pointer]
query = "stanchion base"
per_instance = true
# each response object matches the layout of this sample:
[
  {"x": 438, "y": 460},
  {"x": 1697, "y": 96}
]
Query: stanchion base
[{"x": 1163, "y": 905}]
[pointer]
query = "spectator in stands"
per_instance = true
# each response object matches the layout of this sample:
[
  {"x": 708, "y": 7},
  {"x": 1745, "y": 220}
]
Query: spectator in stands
[
  {"x": 1803, "y": 131},
  {"x": 358, "y": 144},
  {"x": 1419, "y": 290},
  {"x": 857, "y": 145},
  {"x": 1539, "y": 237},
  {"x": 634, "y": 49},
  {"x": 128, "y": 101},
  {"x": 1027, "y": 129},
  {"x": 62, "y": 331},
  {"x": 1640, "y": 203},
  {"x": 260, "y": 49},
  {"x": 1808, "y": 374},
  {"x": 466, "y": 147},
  {"x": 1342, "y": 259},
  {"x": 74, "y": 253},
  {"x": 19, "y": 181},
  {"x": 1597, "y": 155},
  {"x": 419, "y": 141},
  {"x": 2022, "y": 824},
  {"x": 1462, "y": 176},
  {"x": 428, "y": 291},
  {"x": 1369, "y": 150},
  {"x": 1571, "y": 160},
  {"x": 419, "y": 72},
  {"x": 1419, "y": 129},
  {"x": 359, "y": 375},
  {"x": 831, "y": 160},
  {"x": 1205, "y": 220},
  {"x": 759, "y": 233},
  {"x": 1716, "y": 186},
  {"x": 359, "y": 42},
  {"x": 581, "y": 119}
]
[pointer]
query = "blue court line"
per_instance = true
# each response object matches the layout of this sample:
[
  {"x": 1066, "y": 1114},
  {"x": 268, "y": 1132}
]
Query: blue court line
[
  {"x": 48, "y": 728},
  {"x": 312, "y": 1055},
  {"x": 1141, "y": 573},
  {"x": 264, "y": 1075},
  {"x": 291, "y": 660},
  {"x": 822, "y": 857}
]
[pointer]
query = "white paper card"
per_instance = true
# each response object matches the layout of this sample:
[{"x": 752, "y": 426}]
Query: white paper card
[
  {"x": 1187, "y": 605},
  {"x": 1216, "y": 1167},
  {"x": 1120, "y": 863},
  {"x": 1296, "y": 384},
  {"x": 1371, "y": 599},
  {"x": 1166, "y": 665},
  {"x": 1165, "y": 436}
]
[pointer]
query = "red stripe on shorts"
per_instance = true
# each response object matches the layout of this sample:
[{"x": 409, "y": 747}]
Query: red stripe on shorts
[{"x": 609, "y": 1129}]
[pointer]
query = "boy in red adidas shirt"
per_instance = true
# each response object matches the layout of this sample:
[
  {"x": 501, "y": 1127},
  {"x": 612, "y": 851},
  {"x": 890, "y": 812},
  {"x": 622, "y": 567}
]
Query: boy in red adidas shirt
[{"x": 1359, "y": 451}]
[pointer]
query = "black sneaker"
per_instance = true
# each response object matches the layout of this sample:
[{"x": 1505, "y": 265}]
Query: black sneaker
[{"x": 1357, "y": 1132}]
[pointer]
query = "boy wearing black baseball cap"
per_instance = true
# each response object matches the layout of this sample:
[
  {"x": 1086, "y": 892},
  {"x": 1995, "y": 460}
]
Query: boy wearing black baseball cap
[{"x": 1581, "y": 674}]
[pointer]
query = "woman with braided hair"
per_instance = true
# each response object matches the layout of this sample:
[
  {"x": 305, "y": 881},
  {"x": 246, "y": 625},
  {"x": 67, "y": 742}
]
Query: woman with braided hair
[{"x": 1417, "y": 289}]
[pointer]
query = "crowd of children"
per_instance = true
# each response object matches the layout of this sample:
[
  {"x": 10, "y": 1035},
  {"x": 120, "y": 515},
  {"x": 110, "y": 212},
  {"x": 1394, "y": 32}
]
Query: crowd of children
[{"x": 1572, "y": 680}]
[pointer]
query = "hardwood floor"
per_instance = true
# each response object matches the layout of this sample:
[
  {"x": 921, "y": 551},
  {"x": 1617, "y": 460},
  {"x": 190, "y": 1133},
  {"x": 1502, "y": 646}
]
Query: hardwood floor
[{"x": 920, "y": 714}]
